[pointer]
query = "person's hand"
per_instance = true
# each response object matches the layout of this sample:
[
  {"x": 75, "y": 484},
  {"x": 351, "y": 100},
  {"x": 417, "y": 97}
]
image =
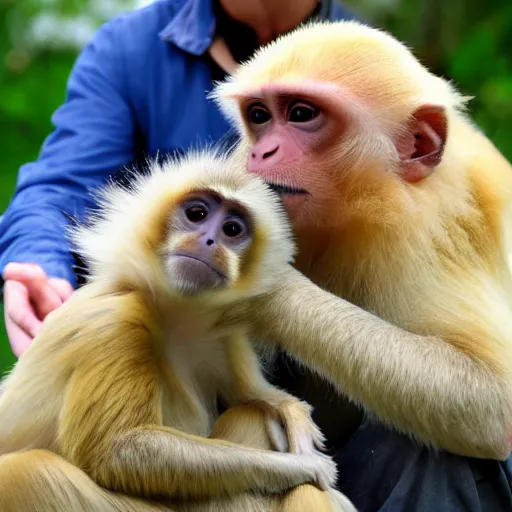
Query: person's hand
[{"x": 29, "y": 295}]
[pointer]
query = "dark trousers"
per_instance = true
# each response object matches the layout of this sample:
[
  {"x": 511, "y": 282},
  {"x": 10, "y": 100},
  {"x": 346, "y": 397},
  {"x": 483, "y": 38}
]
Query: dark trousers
[{"x": 381, "y": 470}]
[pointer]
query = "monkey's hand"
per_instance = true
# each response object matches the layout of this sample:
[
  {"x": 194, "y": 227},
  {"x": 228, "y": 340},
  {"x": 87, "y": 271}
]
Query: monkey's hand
[
  {"x": 325, "y": 472},
  {"x": 281, "y": 408},
  {"x": 303, "y": 435}
]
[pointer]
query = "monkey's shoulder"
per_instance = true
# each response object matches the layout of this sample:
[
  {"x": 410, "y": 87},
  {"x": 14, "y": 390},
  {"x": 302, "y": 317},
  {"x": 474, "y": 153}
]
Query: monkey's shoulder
[{"x": 93, "y": 322}]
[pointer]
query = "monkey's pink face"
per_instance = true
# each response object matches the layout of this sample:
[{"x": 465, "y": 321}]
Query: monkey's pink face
[
  {"x": 293, "y": 137},
  {"x": 308, "y": 137}
]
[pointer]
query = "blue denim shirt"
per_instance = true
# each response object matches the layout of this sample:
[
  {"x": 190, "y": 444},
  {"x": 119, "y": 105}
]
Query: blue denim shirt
[{"x": 139, "y": 87}]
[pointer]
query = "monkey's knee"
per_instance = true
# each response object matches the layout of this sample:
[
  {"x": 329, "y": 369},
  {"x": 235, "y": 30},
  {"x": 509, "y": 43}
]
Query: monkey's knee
[
  {"x": 308, "y": 498},
  {"x": 24, "y": 481},
  {"x": 248, "y": 425},
  {"x": 20, "y": 470},
  {"x": 240, "y": 503},
  {"x": 245, "y": 425},
  {"x": 39, "y": 480}
]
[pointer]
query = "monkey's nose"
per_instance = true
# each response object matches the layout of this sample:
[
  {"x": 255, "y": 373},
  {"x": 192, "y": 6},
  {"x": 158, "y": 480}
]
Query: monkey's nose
[
  {"x": 267, "y": 154},
  {"x": 270, "y": 153},
  {"x": 209, "y": 241}
]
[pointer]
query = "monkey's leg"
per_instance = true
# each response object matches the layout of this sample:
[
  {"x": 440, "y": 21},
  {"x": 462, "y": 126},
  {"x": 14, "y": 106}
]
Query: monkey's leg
[
  {"x": 303, "y": 435},
  {"x": 156, "y": 461},
  {"x": 250, "y": 425},
  {"x": 41, "y": 481},
  {"x": 247, "y": 425},
  {"x": 244, "y": 425}
]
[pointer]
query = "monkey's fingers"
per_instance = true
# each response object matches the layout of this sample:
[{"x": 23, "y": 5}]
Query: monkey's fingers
[
  {"x": 304, "y": 436},
  {"x": 276, "y": 432},
  {"x": 300, "y": 435},
  {"x": 326, "y": 472}
]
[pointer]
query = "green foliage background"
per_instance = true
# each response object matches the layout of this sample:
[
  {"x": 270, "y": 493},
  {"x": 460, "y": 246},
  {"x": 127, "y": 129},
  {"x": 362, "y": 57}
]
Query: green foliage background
[{"x": 468, "y": 41}]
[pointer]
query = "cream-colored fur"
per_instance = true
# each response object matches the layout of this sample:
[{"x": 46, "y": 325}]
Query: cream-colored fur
[
  {"x": 423, "y": 339},
  {"x": 123, "y": 381}
]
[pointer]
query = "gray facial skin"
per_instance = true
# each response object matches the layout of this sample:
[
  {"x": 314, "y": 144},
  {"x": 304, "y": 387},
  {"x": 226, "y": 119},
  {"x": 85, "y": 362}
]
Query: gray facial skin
[{"x": 217, "y": 226}]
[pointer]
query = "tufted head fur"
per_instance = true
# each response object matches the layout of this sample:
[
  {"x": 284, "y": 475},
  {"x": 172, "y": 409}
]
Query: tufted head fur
[{"x": 122, "y": 243}]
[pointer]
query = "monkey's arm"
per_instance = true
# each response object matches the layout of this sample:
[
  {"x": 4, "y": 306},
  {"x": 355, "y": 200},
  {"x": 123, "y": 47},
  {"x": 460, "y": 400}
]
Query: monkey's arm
[
  {"x": 111, "y": 427},
  {"x": 156, "y": 461},
  {"x": 31, "y": 395},
  {"x": 432, "y": 388},
  {"x": 249, "y": 385}
]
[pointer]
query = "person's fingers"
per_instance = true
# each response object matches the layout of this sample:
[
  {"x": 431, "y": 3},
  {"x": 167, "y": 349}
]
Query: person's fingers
[
  {"x": 21, "y": 321},
  {"x": 41, "y": 294},
  {"x": 19, "y": 271},
  {"x": 62, "y": 287},
  {"x": 19, "y": 309},
  {"x": 18, "y": 338}
]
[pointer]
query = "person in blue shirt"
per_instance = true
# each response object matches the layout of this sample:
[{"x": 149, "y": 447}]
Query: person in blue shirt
[{"x": 138, "y": 90}]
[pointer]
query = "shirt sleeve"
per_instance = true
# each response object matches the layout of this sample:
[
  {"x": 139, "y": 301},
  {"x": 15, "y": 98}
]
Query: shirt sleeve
[{"x": 93, "y": 137}]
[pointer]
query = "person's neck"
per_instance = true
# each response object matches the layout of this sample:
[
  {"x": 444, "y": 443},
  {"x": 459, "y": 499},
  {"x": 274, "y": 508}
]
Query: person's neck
[
  {"x": 239, "y": 38},
  {"x": 236, "y": 41},
  {"x": 276, "y": 18}
]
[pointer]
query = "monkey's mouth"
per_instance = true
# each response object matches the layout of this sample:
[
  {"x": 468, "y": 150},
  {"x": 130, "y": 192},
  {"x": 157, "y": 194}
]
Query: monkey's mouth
[
  {"x": 286, "y": 189},
  {"x": 199, "y": 261}
]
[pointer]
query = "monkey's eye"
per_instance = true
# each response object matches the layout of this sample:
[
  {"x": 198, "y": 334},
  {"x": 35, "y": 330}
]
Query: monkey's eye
[
  {"x": 196, "y": 212},
  {"x": 257, "y": 114},
  {"x": 232, "y": 228},
  {"x": 301, "y": 113}
]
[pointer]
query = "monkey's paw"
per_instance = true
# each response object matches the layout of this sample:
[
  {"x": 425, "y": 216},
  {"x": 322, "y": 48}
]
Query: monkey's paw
[
  {"x": 323, "y": 469},
  {"x": 301, "y": 435},
  {"x": 304, "y": 436}
]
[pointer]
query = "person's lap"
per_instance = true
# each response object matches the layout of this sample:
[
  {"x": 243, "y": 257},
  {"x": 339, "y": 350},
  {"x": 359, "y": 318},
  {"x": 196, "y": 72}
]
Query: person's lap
[{"x": 382, "y": 470}]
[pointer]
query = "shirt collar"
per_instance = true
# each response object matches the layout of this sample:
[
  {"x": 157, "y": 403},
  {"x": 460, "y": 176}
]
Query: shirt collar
[{"x": 193, "y": 27}]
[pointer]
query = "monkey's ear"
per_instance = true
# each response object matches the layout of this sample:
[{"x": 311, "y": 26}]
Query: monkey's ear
[{"x": 421, "y": 147}]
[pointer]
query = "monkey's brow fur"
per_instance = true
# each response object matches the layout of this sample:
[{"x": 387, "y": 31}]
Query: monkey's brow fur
[{"x": 134, "y": 220}]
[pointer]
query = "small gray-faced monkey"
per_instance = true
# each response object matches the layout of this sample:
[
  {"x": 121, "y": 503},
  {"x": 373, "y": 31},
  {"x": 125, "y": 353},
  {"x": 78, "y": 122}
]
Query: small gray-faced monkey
[{"x": 112, "y": 405}]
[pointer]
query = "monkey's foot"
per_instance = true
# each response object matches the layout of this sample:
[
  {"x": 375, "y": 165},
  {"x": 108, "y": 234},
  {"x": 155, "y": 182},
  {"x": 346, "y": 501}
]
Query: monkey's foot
[
  {"x": 301, "y": 435},
  {"x": 304, "y": 436}
]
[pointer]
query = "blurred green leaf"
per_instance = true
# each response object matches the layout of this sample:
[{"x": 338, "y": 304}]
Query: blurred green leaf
[{"x": 7, "y": 358}]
